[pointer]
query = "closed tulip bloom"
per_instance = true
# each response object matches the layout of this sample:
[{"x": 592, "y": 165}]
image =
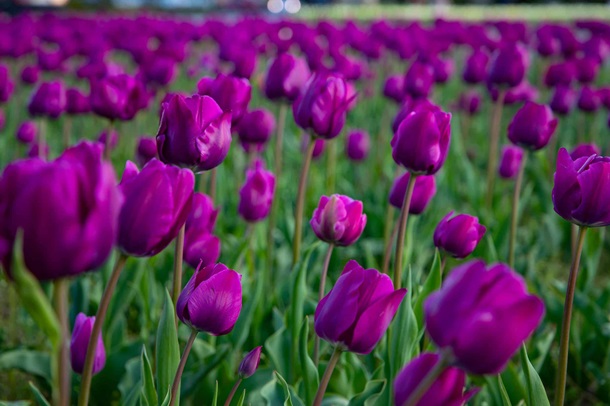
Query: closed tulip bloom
[
  {"x": 146, "y": 150},
  {"x": 249, "y": 364},
  {"x": 447, "y": 389},
  {"x": 424, "y": 191},
  {"x": 318, "y": 148},
  {"x": 323, "y": 105},
  {"x": 201, "y": 247},
  {"x": 256, "y": 194},
  {"x": 157, "y": 202},
  {"x": 49, "y": 99},
  {"x": 588, "y": 100},
  {"x": 486, "y": 326},
  {"x": 6, "y": 84},
  {"x": 584, "y": 150},
  {"x": 77, "y": 102},
  {"x": 470, "y": 102},
  {"x": 458, "y": 235},
  {"x": 560, "y": 74},
  {"x": 419, "y": 80},
  {"x": 410, "y": 105},
  {"x": 509, "y": 65},
  {"x": 117, "y": 97},
  {"x": 510, "y": 161},
  {"x": 562, "y": 100},
  {"x": 286, "y": 76},
  {"x": 255, "y": 129},
  {"x": 422, "y": 141},
  {"x": 394, "y": 88},
  {"x": 338, "y": 220},
  {"x": 80, "y": 342},
  {"x": 158, "y": 70},
  {"x": 211, "y": 300},
  {"x": 532, "y": 126},
  {"x": 30, "y": 74},
  {"x": 443, "y": 69},
  {"x": 581, "y": 190},
  {"x": 26, "y": 133},
  {"x": 475, "y": 68},
  {"x": 357, "y": 145},
  {"x": 231, "y": 93},
  {"x": 587, "y": 69},
  {"x": 194, "y": 132},
  {"x": 357, "y": 311}
]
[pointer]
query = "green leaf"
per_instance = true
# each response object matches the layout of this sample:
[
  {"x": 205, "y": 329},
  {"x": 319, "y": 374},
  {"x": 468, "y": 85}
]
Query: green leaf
[
  {"x": 215, "y": 400},
  {"x": 287, "y": 391},
  {"x": 370, "y": 392},
  {"x": 278, "y": 348},
  {"x": 536, "y": 394},
  {"x": 148, "y": 380},
  {"x": 242, "y": 398},
  {"x": 168, "y": 348},
  {"x": 127, "y": 288},
  {"x": 311, "y": 379},
  {"x": 40, "y": 399},
  {"x": 404, "y": 341},
  {"x": 244, "y": 322},
  {"x": 433, "y": 282},
  {"x": 277, "y": 392},
  {"x": 32, "y": 362},
  {"x": 503, "y": 394}
]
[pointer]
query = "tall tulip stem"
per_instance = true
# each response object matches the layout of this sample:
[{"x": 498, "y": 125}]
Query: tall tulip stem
[
  {"x": 178, "y": 259},
  {"x": 298, "y": 214},
  {"x": 496, "y": 121},
  {"x": 514, "y": 218},
  {"x": 233, "y": 391},
  {"x": 185, "y": 355},
  {"x": 387, "y": 254},
  {"x": 60, "y": 303},
  {"x": 562, "y": 367},
  {"x": 97, "y": 329},
  {"x": 329, "y": 252},
  {"x": 400, "y": 240},
  {"x": 429, "y": 379},
  {"x": 334, "y": 359}
]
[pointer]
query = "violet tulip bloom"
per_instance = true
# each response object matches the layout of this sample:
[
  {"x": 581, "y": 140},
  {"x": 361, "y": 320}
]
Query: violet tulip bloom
[
  {"x": 357, "y": 145},
  {"x": 157, "y": 202},
  {"x": 560, "y": 74},
  {"x": 562, "y": 100},
  {"x": 249, "y": 364},
  {"x": 475, "y": 67},
  {"x": 256, "y": 195},
  {"x": 357, "y": 311},
  {"x": 318, "y": 147},
  {"x": 338, "y": 220},
  {"x": 470, "y": 102},
  {"x": 117, "y": 97},
  {"x": 79, "y": 343},
  {"x": 589, "y": 100},
  {"x": 77, "y": 102},
  {"x": 447, "y": 389},
  {"x": 231, "y": 93},
  {"x": 27, "y": 131},
  {"x": 394, "y": 88},
  {"x": 49, "y": 99},
  {"x": 146, "y": 150},
  {"x": 200, "y": 245},
  {"x": 423, "y": 192},
  {"x": 286, "y": 76},
  {"x": 584, "y": 150},
  {"x": 30, "y": 74},
  {"x": 509, "y": 65},
  {"x": 532, "y": 126},
  {"x": 419, "y": 80},
  {"x": 484, "y": 328},
  {"x": 211, "y": 300},
  {"x": 422, "y": 141},
  {"x": 458, "y": 235},
  {"x": 510, "y": 161},
  {"x": 581, "y": 190},
  {"x": 255, "y": 129},
  {"x": 194, "y": 132}
]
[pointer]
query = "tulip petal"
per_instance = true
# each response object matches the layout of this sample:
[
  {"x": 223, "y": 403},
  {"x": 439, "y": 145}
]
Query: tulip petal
[{"x": 567, "y": 194}]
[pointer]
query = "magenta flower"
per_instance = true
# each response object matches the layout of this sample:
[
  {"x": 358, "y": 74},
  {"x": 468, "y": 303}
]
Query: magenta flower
[
  {"x": 458, "y": 235},
  {"x": 532, "y": 126},
  {"x": 423, "y": 192},
  {"x": 80, "y": 342},
  {"x": 286, "y": 77},
  {"x": 338, "y": 220},
  {"x": 249, "y": 364},
  {"x": 256, "y": 195},
  {"x": 510, "y": 161},
  {"x": 357, "y": 145}
]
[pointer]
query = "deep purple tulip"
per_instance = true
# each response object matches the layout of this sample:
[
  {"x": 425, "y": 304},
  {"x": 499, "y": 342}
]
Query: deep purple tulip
[
  {"x": 249, "y": 364},
  {"x": 256, "y": 194},
  {"x": 26, "y": 132},
  {"x": 563, "y": 100},
  {"x": 482, "y": 315},
  {"x": 357, "y": 311},
  {"x": 255, "y": 128},
  {"x": 286, "y": 76},
  {"x": 419, "y": 80},
  {"x": 475, "y": 67},
  {"x": 30, "y": 74},
  {"x": 158, "y": 70},
  {"x": 581, "y": 190},
  {"x": 200, "y": 245},
  {"x": 588, "y": 100},
  {"x": 77, "y": 102},
  {"x": 79, "y": 343},
  {"x": 231, "y": 93},
  {"x": 447, "y": 389},
  {"x": 117, "y": 97},
  {"x": 357, "y": 145},
  {"x": 443, "y": 69},
  {"x": 146, "y": 150},
  {"x": 394, "y": 88},
  {"x": 157, "y": 202},
  {"x": 509, "y": 65},
  {"x": 470, "y": 102},
  {"x": 458, "y": 235},
  {"x": 584, "y": 150},
  {"x": 560, "y": 74},
  {"x": 410, "y": 105},
  {"x": 587, "y": 69},
  {"x": 49, "y": 99},
  {"x": 194, "y": 132},
  {"x": 6, "y": 84},
  {"x": 423, "y": 192},
  {"x": 338, "y": 220},
  {"x": 211, "y": 300},
  {"x": 532, "y": 126},
  {"x": 510, "y": 161},
  {"x": 422, "y": 141}
]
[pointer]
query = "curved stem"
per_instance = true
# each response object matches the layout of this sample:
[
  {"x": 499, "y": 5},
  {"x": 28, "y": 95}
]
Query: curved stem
[
  {"x": 428, "y": 380},
  {"x": 185, "y": 355},
  {"x": 232, "y": 393},
  {"x": 496, "y": 121},
  {"x": 387, "y": 255},
  {"x": 97, "y": 330},
  {"x": 298, "y": 214},
  {"x": 60, "y": 303},
  {"x": 331, "y": 167},
  {"x": 329, "y": 252},
  {"x": 400, "y": 241},
  {"x": 326, "y": 377},
  {"x": 562, "y": 366},
  {"x": 178, "y": 254},
  {"x": 515, "y": 212}
]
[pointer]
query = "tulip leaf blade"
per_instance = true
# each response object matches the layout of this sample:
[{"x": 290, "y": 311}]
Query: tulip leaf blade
[
  {"x": 215, "y": 400},
  {"x": 168, "y": 348},
  {"x": 32, "y": 362},
  {"x": 40, "y": 399},
  {"x": 242, "y": 398},
  {"x": 149, "y": 392},
  {"x": 311, "y": 378},
  {"x": 403, "y": 333},
  {"x": 371, "y": 391},
  {"x": 433, "y": 282},
  {"x": 536, "y": 394}
]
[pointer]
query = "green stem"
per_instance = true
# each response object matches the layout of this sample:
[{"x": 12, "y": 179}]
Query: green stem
[
  {"x": 515, "y": 212},
  {"x": 185, "y": 355},
  {"x": 329, "y": 252},
  {"x": 67, "y": 131},
  {"x": 331, "y": 167},
  {"x": 334, "y": 359},
  {"x": 178, "y": 259},
  {"x": 60, "y": 303},
  {"x": 428, "y": 380},
  {"x": 400, "y": 241},
  {"x": 233, "y": 391},
  {"x": 496, "y": 121},
  {"x": 97, "y": 330},
  {"x": 298, "y": 214},
  {"x": 387, "y": 255},
  {"x": 562, "y": 366},
  {"x": 443, "y": 262}
]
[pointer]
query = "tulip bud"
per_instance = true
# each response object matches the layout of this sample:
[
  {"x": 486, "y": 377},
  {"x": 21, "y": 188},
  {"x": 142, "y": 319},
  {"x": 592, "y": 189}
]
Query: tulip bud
[
  {"x": 318, "y": 148},
  {"x": 357, "y": 145},
  {"x": 255, "y": 129},
  {"x": 79, "y": 343},
  {"x": 394, "y": 88},
  {"x": 231, "y": 93},
  {"x": 509, "y": 65},
  {"x": 563, "y": 100},
  {"x": 423, "y": 192},
  {"x": 560, "y": 74},
  {"x": 146, "y": 150},
  {"x": 118, "y": 97},
  {"x": 588, "y": 99},
  {"x": 470, "y": 102},
  {"x": 338, "y": 220},
  {"x": 532, "y": 126},
  {"x": 256, "y": 195},
  {"x": 249, "y": 364},
  {"x": 157, "y": 70},
  {"x": 49, "y": 99},
  {"x": 510, "y": 161},
  {"x": 30, "y": 74},
  {"x": 211, "y": 300},
  {"x": 286, "y": 76},
  {"x": 443, "y": 69},
  {"x": 26, "y": 133},
  {"x": 458, "y": 236},
  {"x": 39, "y": 150},
  {"x": 475, "y": 67},
  {"x": 77, "y": 102},
  {"x": 586, "y": 69},
  {"x": 419, "y": 80},
  {"x": 584, "y": 150}
]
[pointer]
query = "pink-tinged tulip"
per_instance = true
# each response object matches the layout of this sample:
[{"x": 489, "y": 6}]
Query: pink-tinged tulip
[
  {"x": 286, "y": 77},
  {"x": 146, "y": 150},
  {"x": 482, "y": 315},
  {"x": 475, "y": 68},
  {"x": 194, "y": 132},
  {"x": 157, "y": 202},
  {"x": 581, "y": 191},
  {"x": 422, "y": 141},
  {"x": 200, "y": 245},
  {"x": 77, "y": 102},
  {"x": 256, "y": 195},
  {"x": 394, "y": 88},
  {"x": 563, "y": 100},
  {"x": 584, "y": 150},
  {"x": 211, "y": 300},
  {"x": 357, "y": 145},
  {"x": 458, "y": 235},
  {"x": 26, "y": 132},
  {"x": 6, "y": 84},
  {"x": 470, "y": 102},
  {"x": 509, "y": 65},
  {"x": 249, "y": 364},
  {"x": 419, "y": 80},
  {"x": 338, "y": 220},
  {"x": 118, "y": 97},
  {"x": 510, "y": 161},
  {"x": 588, "y": 99},
  {"x": 447, "y": 389},
  {"x": 231, "y": 93},
  {"x": 255, "y": 129},
  {"x": 532, "y": 126},
  {"x": 30, "y": 74},
  {"x": 80, "y": 342},
  {"x": 49, "y": 99},
  {"x": 357, "y": 311},
  {"x": 424, "y": 191}
]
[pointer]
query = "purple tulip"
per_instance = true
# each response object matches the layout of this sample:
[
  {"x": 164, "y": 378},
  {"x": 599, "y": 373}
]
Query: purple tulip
[
  {"x": 30, "y": 74},
  {"x": 394, "y": 88},
  {"x": 443, "y": 69},
  {"x": 39, "y": 150},
  {"x": 563, "y": 100},
  {"x": 200, "y": 245},
  {"x": 211, "y": 300},
  {"x": 560, "y": 74},
  {"x": 357, "y": 145},
  {"x": 158, "y": 70},
  {"x": 458, "y": 235},
  {"x": 27, "y": 131},
  {"x": 231, "y": 93},
  {"x": 194, "y": 132},
  {"x": 422, "y": 141},
  {"x": 410, "y": 105},
  {"x": 475, "y": 67},
  {"x": 532, "y": 126},
  {"x": 447, "y": 389},
  {"x": 79, "y": 343},
  {"x": 470, "y": 102},
  {"x": 510, "y": 161},
  {"x": 256, "y": 195},
  {"x": 588, "y": 99},
  {"x": 338, "y": 220},
  {"x": 117, "y": 97},
  {"x": 255, "y": 128},
  {"x": 357, "y": 311},
  {"x": 286, "y": 76},
  {"x": 146, "y": 150},
  {"x": 584, "y": 150},
  {"x": 77, "y": 102},
  {"x": 581, "y": 190},
  {"x": 509, "y": 65},
  {"x": 249, "y": 364},
  {"x": 419, "y": 80},
  {"x": 6, "y": 84},
  {"x": 423, "y": 192},
  {"x": 49, "y": 99},
  {"x": 482, "y": 315},
  {"x": 587, "y": 69},
  {"x": 318, "y": 148}
]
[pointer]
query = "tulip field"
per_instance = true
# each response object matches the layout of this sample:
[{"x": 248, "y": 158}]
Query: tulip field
[{"x": 255, "y": 210}]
